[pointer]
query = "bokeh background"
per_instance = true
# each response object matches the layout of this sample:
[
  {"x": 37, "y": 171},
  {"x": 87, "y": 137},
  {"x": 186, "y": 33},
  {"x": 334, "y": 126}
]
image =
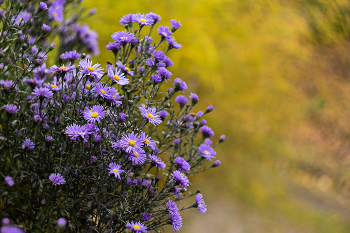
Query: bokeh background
[{"x": 278, "y": 75}]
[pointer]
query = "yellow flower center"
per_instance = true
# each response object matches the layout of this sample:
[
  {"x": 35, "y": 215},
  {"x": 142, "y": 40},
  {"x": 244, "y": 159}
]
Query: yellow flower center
[
  {"x": 206, "y": 152},
  {"x": 75, "y": 132},
  {"x": 149, "y": 115},
  {"x": 127, "y": 68},
  {"x": 82, "y": 133},
  {"x": 87, "y": 86},
  {"x": 199, "y": 205},
  {"x": 164, "y": 34},
  {"x": 136, "y": 154},
  {"x": 53, "y": 86},
  {"x": 90, "y": 68},
  {"x": 103, "y": 91},
  {"x": 136, "y": 227},
  {"x": 131, "y": 143},
  {"x": 114, "y": 96},
  {"x": 94, "y": 114},
  {"x": 146, "y": 140},
  {"x": 116, "y": 77},
  {"x": 115, "y": 170},
  {"x": 63, "y": 68},
  {"x": 143, "y": 20},
  {"x": 54, "y": 15}
]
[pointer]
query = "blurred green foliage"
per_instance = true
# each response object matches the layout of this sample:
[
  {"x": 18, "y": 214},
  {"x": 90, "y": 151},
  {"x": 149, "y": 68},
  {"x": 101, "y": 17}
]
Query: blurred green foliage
[{"x": 277, "y": 73}]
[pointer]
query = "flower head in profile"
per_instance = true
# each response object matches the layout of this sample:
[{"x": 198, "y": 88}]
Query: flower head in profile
[
  {"x": 181, "y": 99},
  {"x": 200, "y": 203},
  {"x": 57, "y": 179},
  {"x": 77, "y": 132},
  {"x": 123, "y": 37},
  {"x": 207, "y": 131},
  {"x": 182, "y": 165},
  {"x": 125, "y": 69},
  {"x": 142, "y": 19},
  {"x": 156, "y": 18},
  {"x": 135, "y": 227},
  {"x": 206, "y": 151},
  {"x": 91, "y": 70},
  {"x": 131, "y": 142},
  {"x": 11, "y": 109},
  {"x": 70, "y": 55},
  {"x": 175, "y": 25},
  {"x": 179, "y": 85},
  {"x": 62, "y": 69},
  {"x": 164, "y": 31},
  {"x": 176, "y": 221},
  {"x": 95, "y": 114},
  {"x": 180, "y": 179},
  {"x": 126, "y": 19},
  {"x": 42, "y": 92},
  {"x": 114, "y": 169},
  {"x": 151, "y": 114},
  {"x": 172, "y": 207},
  {"x": 157, "y": 161},
  {"x": 9, "y": 181},
  {"x": 117, "y": 76},
  {"x": 173, "y": 44},
  {"x": 27, "y": 143}
]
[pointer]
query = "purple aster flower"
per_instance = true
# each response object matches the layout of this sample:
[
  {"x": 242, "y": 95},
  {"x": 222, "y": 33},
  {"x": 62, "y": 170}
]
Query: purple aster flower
[
  {"x": 95, "y": 114},
  {"x": 172, "y": 207},
  {"x": 163, "y": 114},
  {"x": 137, "y": 157},
  {"x": 117, "y": 76},
  {"x": 21, "y": 18},
  {"x": 92, "y": 70},
  {"x": 209, "y": 109},
  {"x": 57, "y": 179},
  {"x": 180, "y": 179},
  {"x": 199, "y": 113},
  {"x": 207, "y": 131},
  {"x": 49, "y": 139},
  {"x": 208, "y": 141},
  {"x": 61, "y": 222},
  {"x": 46, "y": 28},
  {"x": 142, "y": 19},
  {"x": 62, "y": 69},
  {"x": 115, "y": 170},
  {"x": 9, "y": 181},
  {"x": 216, "y": 163},
  {"x": 131, "y": 142},
  {"x": 93, "y": 159},
  {"x": 151, "y": 115},
  {"x": 206, "y": 151},
  {"x": 181, "y": 99},
  {"x": 179, "y": 85},
  {"x": 102, "y": 90},
  {"x": 136, "y": 227},
  {"x": 164, "y": 31},
  {"x": 182, "y": 165},
  {"x": 158, "y": 55},
  {"x": 5, "y": 221},
  {"x": 157, "y": 161},
  {"x": 146, "y": 217},
  {"x": 176, "y": 221},
  {"x": 203, "y": 122},
  {"x": 27, "y": 143},
  {"x": 114, "y": 97},
  {"x": 174, "y": 25},
  {"x": 70, "y": 55},
  {"x": 177, "y": 141},
  {"x": 125, "y": 69},
  {"x": 156, "y": 18},
  {"x": 147, "y": 140},
  {"x": 43, "y": 6},
  {"x": 200, "y": 203},
  {"x": 222, "y": 138},
  {"x": 77, "y": 132},
  {"x": 7, "y": 84},
  {"x": 42, "y": 92},
  {"x": 156, "y": 78},
  {"x": 113, "y": 46},
  {"x": 164, "y": 73},
  {"x": 56, "y": 12},
  {"x": 123, "y": 37},
  {"x": 11, "y": 229},
  {"x": 194, "y": 98},
  {"x": 126, "y": 19},
  {"x": 172, "y": 44},
  {"x": 11, "y": 109},
  {"x": 37, "y": 118},
  {"x": 122, "y": 116}
]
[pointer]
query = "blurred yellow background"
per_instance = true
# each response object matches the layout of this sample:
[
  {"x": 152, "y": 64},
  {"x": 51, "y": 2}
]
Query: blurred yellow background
[{"x": 278, "y": 75}]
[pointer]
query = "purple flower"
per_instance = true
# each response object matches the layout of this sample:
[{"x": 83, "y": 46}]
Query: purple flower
[
  {"x": 147, "y": 140},
  {"x": 156, "y": 18},
  {"x": 136, "y": 227},
  {"x": 46, "y": 28},
  {"x": 21, "y": 18},
  {"x": 207, "y": 131},
  {"x": 206, "y": 151},
  {"x": 117, "y": 76},
  {"x": 77, "y": 132},
  {"x": 157, "y": 161},
  {"x": 37, "y": 118},
  {"x": 11, "y": 229},
  {"x": 131, "y": 142},
  {"x": 209, "y": 109},
  {"x": 125, "y": 69},
  {"x": 27, "y": 143},
  {"x": 70, "y": 55},
  {"x": 115, "y": 170},
  {"x": 114, "y": 97},
  {"x": 43, "y": 6},
  {"x": 137, "y": 157},
  {"x": 174, "y": 25},
  {"x": 151, "y": 115},
  {"x": 122, "y": 116},
  {"x": 222, "y": 138},
  {"x": 146, "y": 217},
  {"x": 173, "y": 44},
  {"x": 194, "y": 98},
  {"x": 176, "y": 221},
  {"x": 177, "y": 141},
  {"x": 49, "y": 139},
  {"x": 62, "y": 69},
  {"x": 102, "y": 90},
  {"x": 172, "y": 207},
  {"x": 164, "y": 73},
  {"x": 126, "y": 19},
  {"x": 61, "y": 222},
  {"x": 200, "y": 113},
  {"x": 93, "y": 159},
  {"x": 180, "y": 179},
  {"x": 163, "y": 114},
  {"x": 164, "y": 31},
  {"x": 5, "y": 221},
  {"x": 57, "y": 179},
  {"x": 181, "y": 99},
  {"x": 142, "y": 19},
  {"x": 208, "y": 141},
  {"x": 179, "y": 85},
  {"x": 92, "y": 70},
  {"x": 200, "y": 203},
  {"x": 56, "y": 12},
  {"x": 216, "y": 163},
  {"x": 123, "y": 37},
  {"x": 113, "y": 46},
  {"x": 156, "y": 78},
  {"x": 9, "y": 181},
  {"x": 182, "y": 165},
  {"x": 95, "y": 114},
  {"x": 11, "y": 109},
  {"x": 42, "y": 92}
]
